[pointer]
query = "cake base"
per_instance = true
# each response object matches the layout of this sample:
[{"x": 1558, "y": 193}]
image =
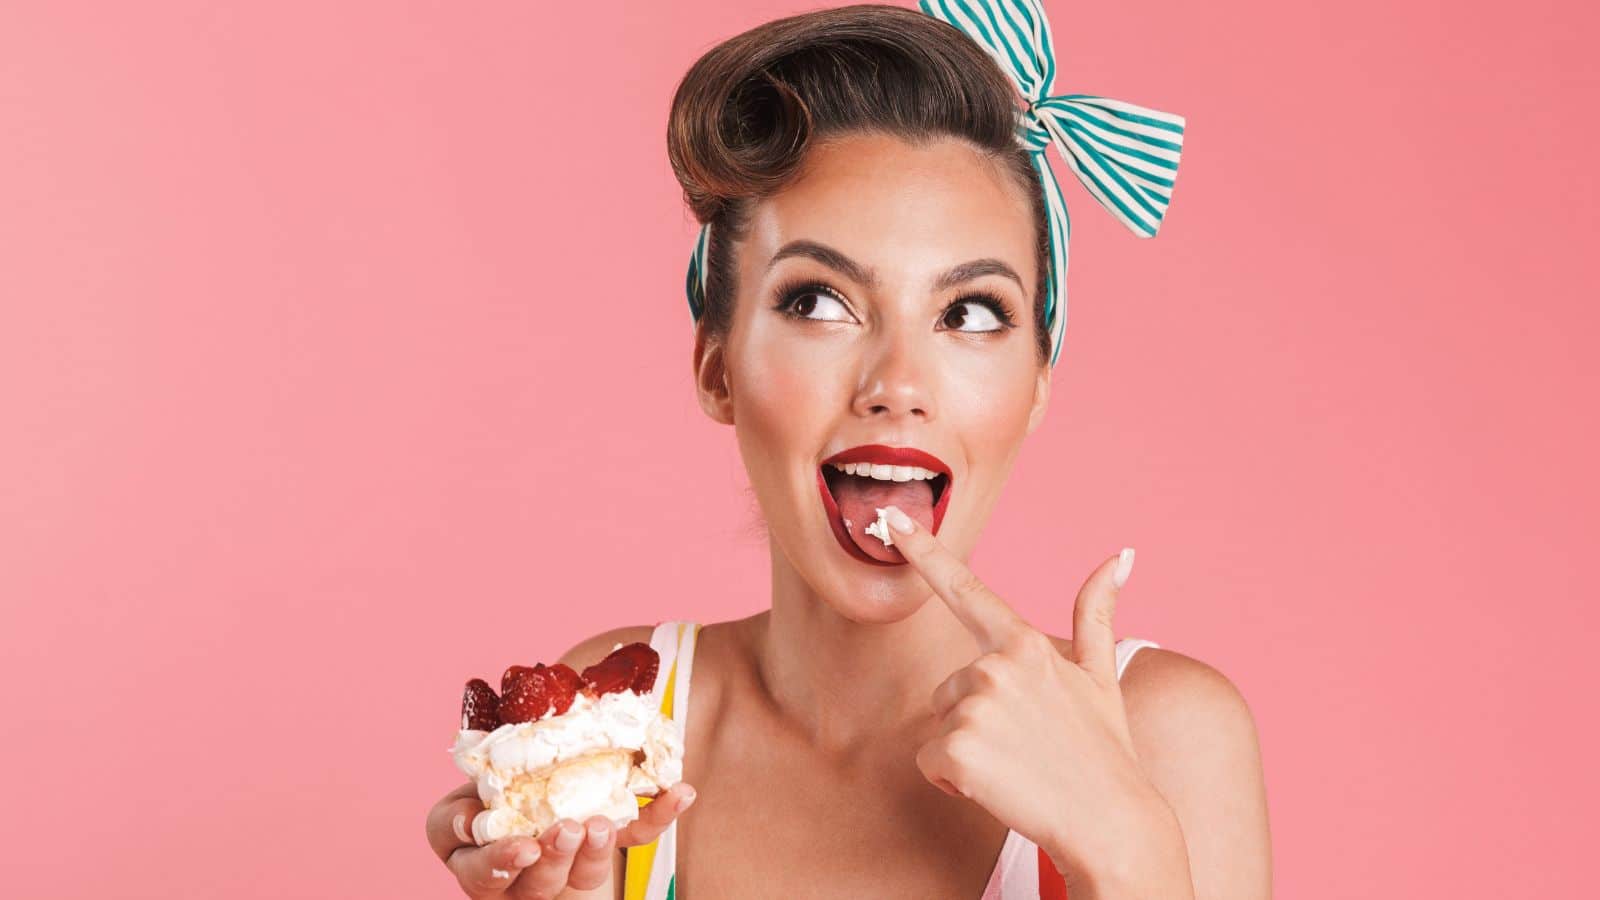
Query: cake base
[{"x": 597, "y": 783}]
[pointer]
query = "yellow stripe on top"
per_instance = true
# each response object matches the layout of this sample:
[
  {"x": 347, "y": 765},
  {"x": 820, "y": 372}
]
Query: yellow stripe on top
[{"x": 641, "y": 857}]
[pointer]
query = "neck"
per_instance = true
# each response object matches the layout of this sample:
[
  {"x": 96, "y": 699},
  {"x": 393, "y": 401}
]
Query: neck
[{"x": 849, "y": 684}]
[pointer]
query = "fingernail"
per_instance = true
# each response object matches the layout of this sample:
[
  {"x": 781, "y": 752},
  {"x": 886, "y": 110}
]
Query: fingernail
[
  {"x": 459, "y": 826},
  {"x": 898, "y": 520},
  {"x": 567, "y": 840},
  {"x": 1119, "y": 576},
  {"x": 686, "y": 799},
  {"x": 527, "y": 856},
  {"x": 597, "y": 836}
]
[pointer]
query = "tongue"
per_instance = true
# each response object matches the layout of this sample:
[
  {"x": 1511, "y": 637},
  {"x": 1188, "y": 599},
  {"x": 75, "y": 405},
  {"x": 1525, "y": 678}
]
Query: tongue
[{"x": 859, "y": 498}]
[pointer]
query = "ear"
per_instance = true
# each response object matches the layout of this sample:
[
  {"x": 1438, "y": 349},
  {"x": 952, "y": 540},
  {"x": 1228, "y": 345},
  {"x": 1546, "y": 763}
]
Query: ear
[
  {"x": 711, "y": 377},
  {"x": 1041, "y": 398}
]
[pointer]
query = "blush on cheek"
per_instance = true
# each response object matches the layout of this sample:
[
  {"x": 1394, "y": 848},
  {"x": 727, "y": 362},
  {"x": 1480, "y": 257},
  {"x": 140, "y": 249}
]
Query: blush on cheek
[
  {"x": 787, "y": 406},
  {"x": 782, "y": 419},
  {"x": 991, "y": 410}
]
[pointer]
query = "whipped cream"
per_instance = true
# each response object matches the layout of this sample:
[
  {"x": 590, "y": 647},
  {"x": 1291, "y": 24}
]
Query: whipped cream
[
  {"x": 594, "y": 759},
  {"x": 881, "y": 526}
]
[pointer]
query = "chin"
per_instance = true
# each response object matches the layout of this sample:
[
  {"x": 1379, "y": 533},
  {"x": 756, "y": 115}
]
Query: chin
[{"x": 867, "y": 595}]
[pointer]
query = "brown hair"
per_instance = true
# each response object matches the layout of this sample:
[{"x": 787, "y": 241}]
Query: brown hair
[{"x": 745, "y": 112}]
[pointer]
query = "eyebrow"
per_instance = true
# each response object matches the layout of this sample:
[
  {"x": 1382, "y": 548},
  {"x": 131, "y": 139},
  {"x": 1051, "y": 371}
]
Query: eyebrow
[{"x": 865, "y": 275}]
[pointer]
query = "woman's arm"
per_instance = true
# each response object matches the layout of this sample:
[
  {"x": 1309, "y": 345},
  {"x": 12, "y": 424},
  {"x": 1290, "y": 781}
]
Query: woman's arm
[{"x": 1197, "y": 743}]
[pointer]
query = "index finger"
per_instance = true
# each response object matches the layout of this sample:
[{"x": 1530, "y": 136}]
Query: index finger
[{"x": 990, "y": 619}]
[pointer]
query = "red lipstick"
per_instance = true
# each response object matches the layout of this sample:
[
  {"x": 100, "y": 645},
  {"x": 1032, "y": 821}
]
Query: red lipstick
[{"x": 881, "y": 454}]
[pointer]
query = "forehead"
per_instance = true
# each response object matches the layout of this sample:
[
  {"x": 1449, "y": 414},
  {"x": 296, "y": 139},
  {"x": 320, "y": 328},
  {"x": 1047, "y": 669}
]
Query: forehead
[{"x": 903, "y": 209}]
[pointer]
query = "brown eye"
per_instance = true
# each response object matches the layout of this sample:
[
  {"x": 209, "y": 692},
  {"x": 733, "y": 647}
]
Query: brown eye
[
  {"x": 803, "y": 303},
  {"x": 960, "y": 314}
]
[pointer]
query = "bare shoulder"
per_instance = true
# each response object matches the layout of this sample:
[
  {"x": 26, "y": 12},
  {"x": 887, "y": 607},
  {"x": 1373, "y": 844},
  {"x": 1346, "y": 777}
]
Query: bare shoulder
[
  {"x": 591, "y": 650},
  {"x": 1197, "y": 742},
  {"x": 1174, "y": 696},
  {"x": 1161, "y": 683}
]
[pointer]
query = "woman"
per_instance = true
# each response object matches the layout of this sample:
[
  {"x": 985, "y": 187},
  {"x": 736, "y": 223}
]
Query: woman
[{"x": 876, "y": 300}]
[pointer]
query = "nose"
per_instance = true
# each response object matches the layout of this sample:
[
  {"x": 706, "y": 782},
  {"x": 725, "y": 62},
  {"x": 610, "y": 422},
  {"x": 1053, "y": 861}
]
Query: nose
[{"x": 894, "y": 384}]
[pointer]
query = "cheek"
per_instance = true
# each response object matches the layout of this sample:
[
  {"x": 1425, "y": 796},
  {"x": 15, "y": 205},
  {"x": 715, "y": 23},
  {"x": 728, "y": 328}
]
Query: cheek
[
  {"x": 782, "y": 405},
  {"x": 990, "y": 411}
]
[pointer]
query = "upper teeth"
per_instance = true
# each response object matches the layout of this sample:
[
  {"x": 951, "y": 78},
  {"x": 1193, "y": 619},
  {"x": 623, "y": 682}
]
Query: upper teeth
[{"x": 885, "y": 473}]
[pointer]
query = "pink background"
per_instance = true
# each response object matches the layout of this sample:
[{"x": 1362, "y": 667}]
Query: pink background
[{"x": 330, "y": 331}]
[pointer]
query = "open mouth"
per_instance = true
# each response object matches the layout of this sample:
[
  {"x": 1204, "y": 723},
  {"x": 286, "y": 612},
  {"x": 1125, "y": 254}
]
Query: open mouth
[{"x": 855, "y": 483}]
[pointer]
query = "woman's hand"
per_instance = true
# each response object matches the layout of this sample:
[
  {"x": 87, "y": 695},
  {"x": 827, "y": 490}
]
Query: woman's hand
[
  {"x": 1040, "y": 740},
  {"x": 567, "y": 855}
]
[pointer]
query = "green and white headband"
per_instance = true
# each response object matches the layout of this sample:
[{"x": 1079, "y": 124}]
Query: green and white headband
[{"x": 1125, "y": 155}]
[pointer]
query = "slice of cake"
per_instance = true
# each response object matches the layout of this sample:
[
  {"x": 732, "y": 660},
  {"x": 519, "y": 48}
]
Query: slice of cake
[{"x": 558, "y": 744}]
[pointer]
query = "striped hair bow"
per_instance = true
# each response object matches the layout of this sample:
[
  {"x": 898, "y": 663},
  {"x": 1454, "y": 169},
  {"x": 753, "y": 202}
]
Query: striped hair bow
[{"x": 1126, "y": 156}]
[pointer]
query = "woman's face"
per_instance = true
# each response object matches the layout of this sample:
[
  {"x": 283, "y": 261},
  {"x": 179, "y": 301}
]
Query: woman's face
[{"x": 855, "y": 325}]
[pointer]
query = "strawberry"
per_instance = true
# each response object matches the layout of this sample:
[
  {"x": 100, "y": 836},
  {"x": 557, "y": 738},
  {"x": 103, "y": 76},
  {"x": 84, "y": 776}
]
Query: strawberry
[
  {"x": 649, "y": 661},
  {"x": 622, "y": 670},
  {"x": 524, "y": 694},
  {"x": 609, "y": 675},
  {"x": 564, "y": 684},
  {"x": 512, "y": 675},
  {"x": 479, "y": 706}
]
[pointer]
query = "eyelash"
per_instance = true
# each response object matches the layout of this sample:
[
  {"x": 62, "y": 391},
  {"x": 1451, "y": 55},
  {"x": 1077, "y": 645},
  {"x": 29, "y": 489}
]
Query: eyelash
[{"x": 789, "y": 292}]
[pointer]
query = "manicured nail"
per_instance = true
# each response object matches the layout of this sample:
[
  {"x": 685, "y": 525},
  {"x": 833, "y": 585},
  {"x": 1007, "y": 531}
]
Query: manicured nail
[
  {"x": 527, "y": 856},
  {"x": 597, "y": 836},
  {"x": 459, "y": 826},
  {"x": 567, "y": 840},
  {"x": 686, "y": 799},
  {"x": 1119, "y": 576},
  {"x": 898, "y": 520}
]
